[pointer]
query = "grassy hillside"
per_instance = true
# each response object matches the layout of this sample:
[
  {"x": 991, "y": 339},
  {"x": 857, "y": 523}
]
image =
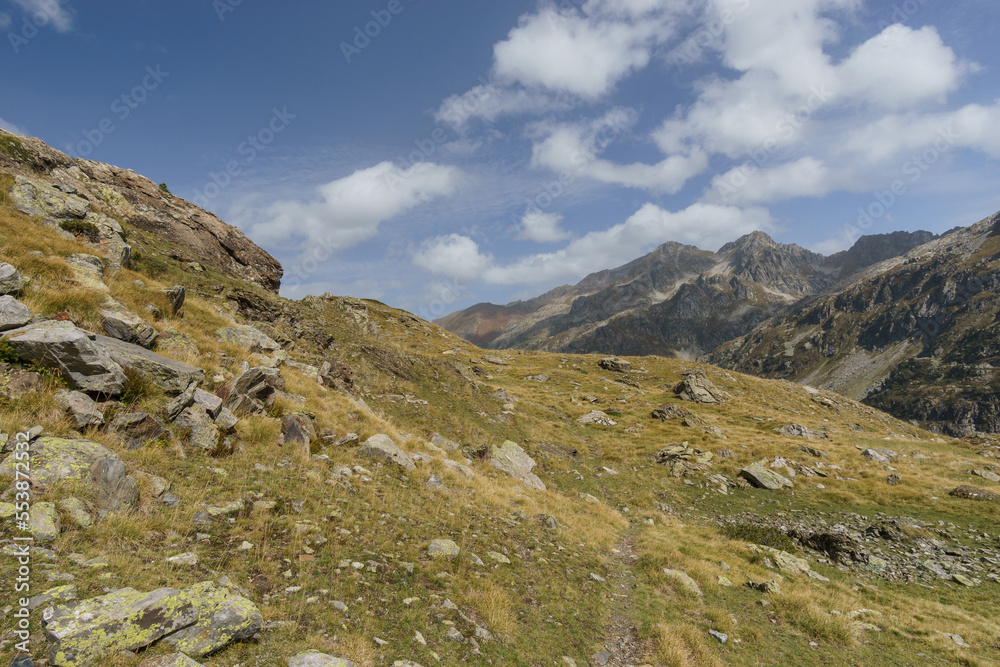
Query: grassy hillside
[{"x": 576, "y": 569}]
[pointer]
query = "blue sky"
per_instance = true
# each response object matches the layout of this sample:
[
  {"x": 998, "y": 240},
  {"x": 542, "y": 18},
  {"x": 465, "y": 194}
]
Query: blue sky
[{"x": 437, "y": 153}]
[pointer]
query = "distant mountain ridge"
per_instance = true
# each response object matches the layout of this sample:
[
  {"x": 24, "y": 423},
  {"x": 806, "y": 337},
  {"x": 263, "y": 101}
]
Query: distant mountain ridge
[{"x": 678, "y": 300}]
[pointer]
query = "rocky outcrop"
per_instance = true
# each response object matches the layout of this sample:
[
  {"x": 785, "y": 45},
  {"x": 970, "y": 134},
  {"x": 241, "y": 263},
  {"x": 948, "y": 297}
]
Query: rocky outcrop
[
  {"x": 914, "y": 335},
  {"x": 90, "y": 201},
  {"x": 382, "y": 448},
  {"x": 84, "y": 364},
  {"x": 169, "y": 374},
  {"x": 511, "y": 460}
]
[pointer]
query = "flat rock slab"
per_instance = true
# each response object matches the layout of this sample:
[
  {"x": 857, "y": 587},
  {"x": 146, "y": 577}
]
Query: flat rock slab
[
  {"x": 382, "y": 448},
  {"x": 169, "y": 374},
  {"x": 61, "y": 346},
  {"x": 122, "y": 324},
  {"x": 511, "y": 460},
  {"x": 313, "y": 658},
  {"x": 762, "y": 478}
]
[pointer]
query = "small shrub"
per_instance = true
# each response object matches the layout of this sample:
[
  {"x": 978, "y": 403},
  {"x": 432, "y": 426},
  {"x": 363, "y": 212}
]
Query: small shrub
[
  {"x": 7, "y": 353},
  {"x": 757, "y": 534},
  {"x": 165, "y": 189}
]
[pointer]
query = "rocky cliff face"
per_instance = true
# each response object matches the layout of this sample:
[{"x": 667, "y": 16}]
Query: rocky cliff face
[
  {"x": 914, "y": 335},
  {"x": 93, "y": 200}
]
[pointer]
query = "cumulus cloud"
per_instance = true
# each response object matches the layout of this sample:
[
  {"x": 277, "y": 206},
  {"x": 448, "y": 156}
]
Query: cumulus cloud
[
  {"x": 53, "y": 12},
  {"x": 350, "y": 209},
  {"x": 702, "y": 224},
  {"x": 542, "y": 227}
]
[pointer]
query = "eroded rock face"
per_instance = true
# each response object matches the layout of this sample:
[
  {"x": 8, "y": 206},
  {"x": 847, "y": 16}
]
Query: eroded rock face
[{"x": 84, "y": 185}]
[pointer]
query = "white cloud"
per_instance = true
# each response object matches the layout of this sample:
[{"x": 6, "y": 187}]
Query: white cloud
[
  {"x": 746, "y": 184},
  {"x": 542, "y": 227},
  {"x": 349, "y": 210},
  {"x": 704, "y": 225},
  {"x": 51, "y": 11},
  {"x": 11, "y": 127}
]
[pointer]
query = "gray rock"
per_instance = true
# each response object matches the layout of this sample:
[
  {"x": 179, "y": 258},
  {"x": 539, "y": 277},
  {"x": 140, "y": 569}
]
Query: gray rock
[
  {"x": 248, "y": 337},
  {"x": 172, "y": 660},
  {"x": 880, "y": 455},
  {"x": 64, "y": 593},
  {"x": 13, "y": 313},
  {"x": 77, "y": 510},
  {"x": 88, "y": 271},
  {"x": 460, "y": 468},
  {"x": 181, "y": 401},
  {"x": 298, "y": 428},
  {"x": 116, "y": 490},
  {"x": 444, "y": 443},
  {"x": 698, "y": 389},
  {"x": 800, "y": 431},
  {"x": 313, "y": 658},
  {"x": 248, "y": 392},
  {"x": 443, "y": 549},
  {"x": 762, "y": 478},
  {"x": 169, "y": 374},
  {"x": 987, "y": 475},
  {"x": 209, "y": 401},
  {"x": 138, "y": 428},
  {"x": 382, "y": 448},
  {"x": 615, "y": 365},
  {"x": 11, "y": 282},
  {"x": 80, "y": 408},
  {"x": 176, "y": 295},
  {"x": 204, "y": 434},
  {"x": 121, "y": 323},
  {"x": 44, "y": 522},
  {"x": 226, "y": 421},
  {"x": 61, "y": 346},
  {"x": 511, "y": 460}
]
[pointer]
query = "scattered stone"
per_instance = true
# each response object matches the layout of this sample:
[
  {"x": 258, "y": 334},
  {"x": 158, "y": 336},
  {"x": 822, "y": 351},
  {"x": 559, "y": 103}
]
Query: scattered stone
[
  {"x": 800, "y": 431},
  {"x": 598, "y": 418},
  {"x": 762, "y": 478},
  {"x": 65, "y": 593},
  {"x": 602, "y": 658},
  {"x": 497, "y": 361},
  {"x": 203, "y": 433},
  {"x": 498, "y": 557},
  {"x": 187, "y": 559},
  {"x": 248, "y": 337},
  {"x": 443, "y": 549},
  {"x": 313, "y": 658},
  {"x": 955, "y": 638},
  {"x": 812, "y": 451},
  {"x": 723, "y": 638},
  {"x": 686, "y": 582},
  {"x": 382, "y": 448},
  {"x": 88, "y": 271},
  {"x": 77, "y": 510},
  {"x": 987, "y": 475},
  {"x": 176, "y": 296},
  {"x": 783, "y": 560},
  {"x": 297, "y": 428},
  {"x": 698, "y": 389},
  {"x": 880, "y": 455},
  {"x": 444, "y": 443},
  {"x": 893, "y": 479},
  {"x": 63, "y": 347},
  {"x": 169, "y": 374},
  {"x": 669, "y": 411},
  {"x": 615, "y": 365},
  {"x": 13, "y": 313},
  {"x": 80, "y": 408},
  {"x": 770, "y": 586},
  {"x": 44, "y": 522},
  {"x": 116, "y": 490},
  {"x": 973, "y": 493},
  {"x": 511, "y": 460}
]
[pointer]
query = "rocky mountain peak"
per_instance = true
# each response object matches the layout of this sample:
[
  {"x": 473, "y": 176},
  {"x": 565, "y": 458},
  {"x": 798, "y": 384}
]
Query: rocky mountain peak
[{"x": 753, "y": 242}]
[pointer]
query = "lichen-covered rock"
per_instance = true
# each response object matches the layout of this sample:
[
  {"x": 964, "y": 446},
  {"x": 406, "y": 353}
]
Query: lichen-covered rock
[
  {"x": 169, "y": 374},
  {"x": 13, "y": 313},
  {"x": 88, "y": 271},
  {"x": 77, "y": 511},
  {"x": 298, "y": 428},
  {"x": 699, "y": 389},
  {"x": 63, "y": 347},
  {"x": 80, "y": 408},
  {"x": 64, "y": 593},
  {"x": 248, "y": 337},
  {"x": 685, "y": 581},
  {"x": 762, "y": 478},
  {"x": 443, "y": 549},
  {"x": 203, "y": 432},
  {"x": 800, "y": 431},
  {"x": 382, "y": 448},
  {"x": 199, "y": 620},
  {"x": 44, "y": 522},
  {"x": 511, "y": 460},
  {"x": 313, "y": 658}
]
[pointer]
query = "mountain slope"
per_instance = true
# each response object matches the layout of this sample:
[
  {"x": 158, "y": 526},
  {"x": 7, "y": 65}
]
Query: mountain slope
[
  {"x": 677, "y": 300},
  {"x": 915, "y": 335}
]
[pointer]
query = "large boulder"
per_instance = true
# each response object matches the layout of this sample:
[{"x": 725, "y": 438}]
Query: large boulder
[
  {"x": 204, "y": 434},
  {"x": 382, "y": 448},
  {"x": 57, "y": 459},
  {"x": 198, "y": 620},
  {"x": 13, "y": 313},
  {"x": 121, "y": 323},
  {"x": 763, "y": 478},
  {"x": 248, "y": 392},
  {"x": 11, "y": 282},
  {"x": 615, "y": 364},
  {"x": 169, "y": 374},
  {"x": 511, "y": 460},
  {"x": 61, "y": 346},
  {"x": 297, "y": 428},
  {"x": 697, "y": 388}
]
